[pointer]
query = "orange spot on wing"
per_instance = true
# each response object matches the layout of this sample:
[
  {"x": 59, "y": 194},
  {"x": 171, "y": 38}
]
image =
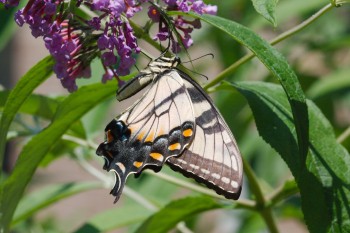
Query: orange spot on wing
[
  {"x": 150, "y": 137},
  {"x": 175, "y": 146},
  {"x": 140, "y": 136},
  {"x": 110, "y": 137},
  {"x": 156, "y": 156},
  {"x": 138, "y": 164},
  {"x": 187, "y": 133}
]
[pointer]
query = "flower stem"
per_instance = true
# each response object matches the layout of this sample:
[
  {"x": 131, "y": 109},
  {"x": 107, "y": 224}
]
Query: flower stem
[
  {"x": 282, "y": 193},
  {"x": 261, "y": 204},
  {"x": 243, "y": 204},
  {"x": 344, "y": 135},
  {"x": 229, "y": 70}
]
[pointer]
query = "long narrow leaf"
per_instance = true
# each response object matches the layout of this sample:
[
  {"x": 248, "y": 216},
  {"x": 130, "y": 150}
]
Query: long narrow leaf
[
  {"x": 267, "y": 9},
  {"x": 37, "y": 105},
  {"x": 44, "y": 107},
  {"x": 33, "y": 78},
  {"x": 325, "y": 183},
  {"x": 114, "y": 218},
  {"x": 42, "y": 198},
  {"x": 176, "y": 211},
  {"x": 69, "y": 111},
  {"x": 330, "y": 84}
]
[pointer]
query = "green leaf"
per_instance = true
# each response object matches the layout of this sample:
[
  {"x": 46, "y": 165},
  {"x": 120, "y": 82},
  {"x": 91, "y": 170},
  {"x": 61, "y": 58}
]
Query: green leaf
[
  {"x": 325, "y": 182},
  {"x": 37, "y": 105},
  {"x": 278, "y": 66},
  {"x": 176, "y": 211},
  {"x": 289, "y": 188},
  {"x": 44, "y": 107},
  {"x": 42, "y": 198},
  {"x": 115, "y": 218},
  {"x": 267, "y": 9},
  {"x": 7, "y": 25},
  {"x": 69, "y": 111},
  {"x": 329, "y": 84},
  {"x": 33, "y": 78}
]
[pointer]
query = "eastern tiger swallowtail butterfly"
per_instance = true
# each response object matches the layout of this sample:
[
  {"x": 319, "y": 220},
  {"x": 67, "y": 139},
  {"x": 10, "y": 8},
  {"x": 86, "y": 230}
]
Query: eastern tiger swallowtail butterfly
[{"x": 174, "y": 122}]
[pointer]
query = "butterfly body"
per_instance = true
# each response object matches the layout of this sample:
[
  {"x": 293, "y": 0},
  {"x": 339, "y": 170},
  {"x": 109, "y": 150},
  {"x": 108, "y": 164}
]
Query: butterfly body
[{"x": 174, "y": 122}]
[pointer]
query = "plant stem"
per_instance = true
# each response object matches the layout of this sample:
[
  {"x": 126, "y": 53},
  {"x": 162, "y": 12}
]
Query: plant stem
[
  {"x": 269, "y": 219},
  {"x": 344, "y": 135},
  {"x": 254, "y": 185},
  {"x": 302, "y": 25},
  {"x": 282, "y": 193},
  {"x": 261, "y": 205},
  {"x": 244, "y": 204},
  {"x": 229, "y": 70}
]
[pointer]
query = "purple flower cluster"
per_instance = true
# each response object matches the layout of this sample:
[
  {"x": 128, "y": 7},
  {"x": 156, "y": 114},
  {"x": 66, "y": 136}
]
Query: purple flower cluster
[
  {"x": 67, "y": 48},
  {"x": 180, "y": 23},
  {"x": 75, "y": 41}
]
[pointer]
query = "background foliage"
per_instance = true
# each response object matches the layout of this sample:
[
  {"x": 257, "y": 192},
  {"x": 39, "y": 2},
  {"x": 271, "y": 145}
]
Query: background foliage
[{"x": 291, "y": 121}]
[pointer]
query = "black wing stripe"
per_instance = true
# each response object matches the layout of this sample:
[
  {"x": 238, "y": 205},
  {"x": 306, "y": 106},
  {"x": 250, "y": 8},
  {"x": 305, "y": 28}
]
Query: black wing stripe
[
  {"x": 218, "y": 163},
  {"x": 156, "y": 114}
]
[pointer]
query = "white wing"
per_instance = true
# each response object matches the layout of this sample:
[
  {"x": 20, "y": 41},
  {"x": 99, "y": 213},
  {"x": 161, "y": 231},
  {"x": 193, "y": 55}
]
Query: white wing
[{"x": 213, "y": 158}]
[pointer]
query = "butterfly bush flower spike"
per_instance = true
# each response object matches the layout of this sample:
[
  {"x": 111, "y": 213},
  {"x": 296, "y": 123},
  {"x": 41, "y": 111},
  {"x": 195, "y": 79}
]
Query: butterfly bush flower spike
[{"x": 74, "y": 41}]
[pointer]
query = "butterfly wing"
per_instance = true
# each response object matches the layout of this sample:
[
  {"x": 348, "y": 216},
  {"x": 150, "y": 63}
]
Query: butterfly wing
[
  {"x": 159, "y": 126},
  {"x": 213, "y": 158}
]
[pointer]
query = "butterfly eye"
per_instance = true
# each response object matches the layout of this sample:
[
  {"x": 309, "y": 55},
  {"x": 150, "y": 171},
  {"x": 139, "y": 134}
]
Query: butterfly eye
[{"x": 109, "y": 136}]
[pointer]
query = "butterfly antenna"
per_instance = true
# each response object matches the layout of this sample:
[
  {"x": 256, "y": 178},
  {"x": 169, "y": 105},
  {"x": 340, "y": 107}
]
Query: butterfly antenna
[
  {"x": 197, "y": 73},
  {"x": 137, "y": 68},
  {"x": 209, "y": 54},
  {"x": 194, "y": 72},
  {"x": 147, "y": 55}
]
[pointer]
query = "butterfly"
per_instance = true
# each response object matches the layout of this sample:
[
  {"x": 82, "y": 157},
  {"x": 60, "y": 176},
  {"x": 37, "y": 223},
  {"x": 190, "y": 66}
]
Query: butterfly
[{"x": 174, "y": 122}]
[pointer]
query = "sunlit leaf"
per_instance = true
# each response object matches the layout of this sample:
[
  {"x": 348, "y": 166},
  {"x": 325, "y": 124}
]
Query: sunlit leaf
[
  {"x": 114, "y": 218},
  {"x": 32, "y": 79},
  {"x": 46, "y": 196},
  {"x": 176, "y": 211},
  {"x": 324, "y": 182},
  {"x": 267, "y": 9}
]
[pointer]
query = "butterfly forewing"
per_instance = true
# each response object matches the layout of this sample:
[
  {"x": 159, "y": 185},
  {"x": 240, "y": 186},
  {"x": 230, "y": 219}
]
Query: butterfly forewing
[{"x": 213, "y": 157}]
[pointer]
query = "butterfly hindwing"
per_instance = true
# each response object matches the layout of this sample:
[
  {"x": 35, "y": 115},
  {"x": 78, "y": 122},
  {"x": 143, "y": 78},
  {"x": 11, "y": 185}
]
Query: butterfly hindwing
[
  {"x": 158, "y": 126},
  {"x": 213, "y": 157}
]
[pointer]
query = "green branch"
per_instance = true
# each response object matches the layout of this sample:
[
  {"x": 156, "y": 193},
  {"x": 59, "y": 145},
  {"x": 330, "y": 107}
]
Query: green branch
[
  {"x": 262, "y": 206},
  {"x": 344, "y": 135}
]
